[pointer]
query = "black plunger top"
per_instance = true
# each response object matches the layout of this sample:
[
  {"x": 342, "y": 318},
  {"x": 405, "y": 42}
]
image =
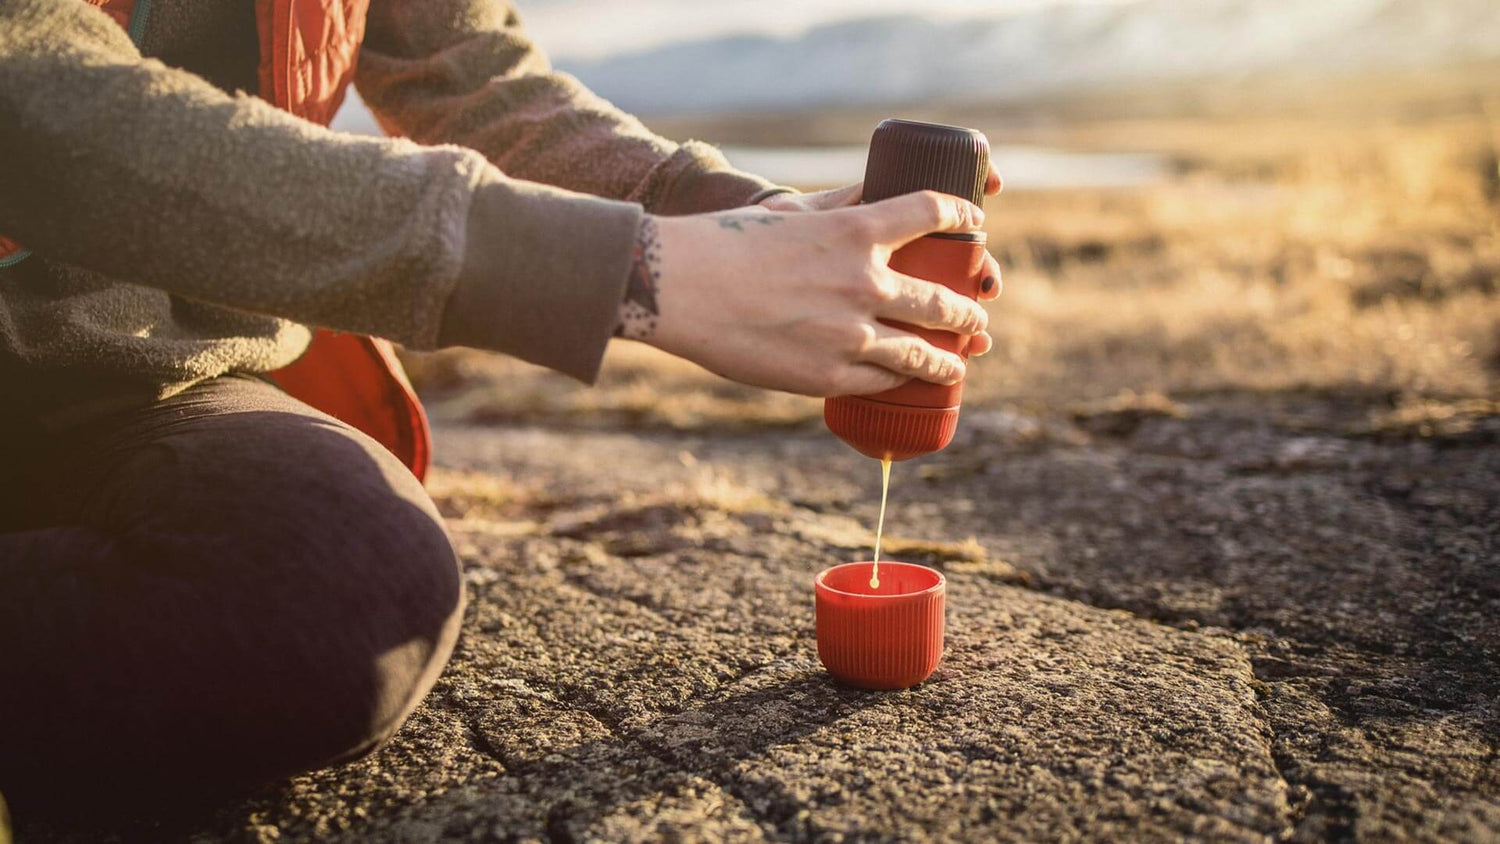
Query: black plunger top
[{"x": 907, "y": 156}]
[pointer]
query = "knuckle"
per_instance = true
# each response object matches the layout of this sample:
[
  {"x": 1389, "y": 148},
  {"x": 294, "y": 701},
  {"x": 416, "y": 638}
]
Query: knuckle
[
  {"x": 914, "y": 358},
  {"x": 959, "y": 314},
  {"x": 949, "y": 368},
  {"x": 944, "y": 311},
  {"x": 976, "y": 319},
  {"x": 842, "y": 381},
  {"x": 853, "y": 341},
  {"x": 952, "y": 371},
  {"x": 859, "y": 227},
  {"x": 917, "y": 301},
  {"x": 874, "y": 287},
  {"x": 829, "y": 384},
  {"x": 935, "y": 205}
]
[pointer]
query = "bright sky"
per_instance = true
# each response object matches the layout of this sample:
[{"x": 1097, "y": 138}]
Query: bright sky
[{"x": 593, "y": 28}]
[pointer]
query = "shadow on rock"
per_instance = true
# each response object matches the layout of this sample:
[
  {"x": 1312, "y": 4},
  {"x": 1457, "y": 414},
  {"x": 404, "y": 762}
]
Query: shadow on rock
[{"x": 578, "y": 789}]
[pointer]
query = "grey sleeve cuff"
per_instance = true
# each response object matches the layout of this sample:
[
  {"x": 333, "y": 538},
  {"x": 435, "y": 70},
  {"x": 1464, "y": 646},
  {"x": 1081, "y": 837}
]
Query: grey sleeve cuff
[
  {"x": 758, "y": 198},
  {"x": 697, "y": 179},
  {"x": 543, "y": 274}
]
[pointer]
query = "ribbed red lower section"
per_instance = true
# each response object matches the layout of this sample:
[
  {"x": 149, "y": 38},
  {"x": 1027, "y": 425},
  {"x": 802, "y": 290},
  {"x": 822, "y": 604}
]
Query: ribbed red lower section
[
  {"x": 880, "y": 639},
  {"x": 880, "y": 430}
]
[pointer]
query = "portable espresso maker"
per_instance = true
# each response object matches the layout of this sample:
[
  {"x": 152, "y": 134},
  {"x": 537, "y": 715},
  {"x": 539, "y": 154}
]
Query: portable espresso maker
[
  {"x": 905, "y": 156},
  {"x": 886, "y": 632}
]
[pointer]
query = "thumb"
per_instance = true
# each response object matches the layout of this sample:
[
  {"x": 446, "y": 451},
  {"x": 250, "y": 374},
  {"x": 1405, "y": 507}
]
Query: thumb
[{"x": 902, "y": 219}]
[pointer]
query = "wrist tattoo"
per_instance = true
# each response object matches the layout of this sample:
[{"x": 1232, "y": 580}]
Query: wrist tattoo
[
  {"x": 640, "y": 308},
  {"x": 738, "y": 222}
]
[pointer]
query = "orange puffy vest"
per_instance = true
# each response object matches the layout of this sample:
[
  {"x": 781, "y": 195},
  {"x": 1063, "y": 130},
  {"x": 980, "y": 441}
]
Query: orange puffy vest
[{"x": 307, "y": 54}]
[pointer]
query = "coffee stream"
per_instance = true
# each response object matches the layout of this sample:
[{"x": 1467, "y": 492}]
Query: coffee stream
[{"x": 885, "y": 487}]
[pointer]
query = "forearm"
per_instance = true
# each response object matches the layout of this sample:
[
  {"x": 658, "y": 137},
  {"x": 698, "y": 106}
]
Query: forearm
[{"x": 464, "y": 72}]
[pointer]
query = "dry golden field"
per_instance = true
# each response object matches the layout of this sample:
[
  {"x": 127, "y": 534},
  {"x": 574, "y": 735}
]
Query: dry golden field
[{"x": 1347, "y": 257}]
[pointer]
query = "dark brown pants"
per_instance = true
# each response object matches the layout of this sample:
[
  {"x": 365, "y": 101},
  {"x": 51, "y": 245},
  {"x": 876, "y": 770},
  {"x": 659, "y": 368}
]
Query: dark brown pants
[{"x": 211, "y": 593}]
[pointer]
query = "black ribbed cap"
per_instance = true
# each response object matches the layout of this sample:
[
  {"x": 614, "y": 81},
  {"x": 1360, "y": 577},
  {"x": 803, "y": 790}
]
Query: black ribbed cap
[{"x": 907, "y": 156}]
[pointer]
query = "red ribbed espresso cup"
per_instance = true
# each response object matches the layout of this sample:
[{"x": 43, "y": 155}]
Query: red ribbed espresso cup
[{"x": 886, "y": 638}]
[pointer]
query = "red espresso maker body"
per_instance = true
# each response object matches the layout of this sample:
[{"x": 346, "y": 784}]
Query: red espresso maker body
[{"x": 919, "y": 417}]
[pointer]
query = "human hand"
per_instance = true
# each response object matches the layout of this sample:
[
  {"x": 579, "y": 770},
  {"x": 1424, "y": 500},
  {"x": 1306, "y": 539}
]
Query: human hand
[
  {"x": 850, "y": 195},
  {"x": 793, "y": 301}
]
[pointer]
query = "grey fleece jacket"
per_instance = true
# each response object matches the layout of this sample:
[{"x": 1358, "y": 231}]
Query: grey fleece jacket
[{"x": 183, "y": 228}]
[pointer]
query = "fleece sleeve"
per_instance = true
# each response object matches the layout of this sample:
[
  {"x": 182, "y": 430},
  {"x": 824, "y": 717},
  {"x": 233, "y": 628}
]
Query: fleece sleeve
[
  {"x": 465, "y": 72},
  {"x": 148, "y": 174}
]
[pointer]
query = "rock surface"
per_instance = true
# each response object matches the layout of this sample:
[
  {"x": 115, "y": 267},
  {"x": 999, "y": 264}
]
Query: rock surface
[{"x": 1215, "y": 623}]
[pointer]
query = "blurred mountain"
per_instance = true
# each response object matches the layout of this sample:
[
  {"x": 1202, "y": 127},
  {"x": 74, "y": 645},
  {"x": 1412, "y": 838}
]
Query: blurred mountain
[{"x": 1048, "y": 51}]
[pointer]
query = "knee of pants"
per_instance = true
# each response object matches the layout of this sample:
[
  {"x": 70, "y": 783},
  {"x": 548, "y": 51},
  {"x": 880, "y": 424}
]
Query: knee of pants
[
  {"x": 359, "y": 590},
  {"x": 322, "y": 671},
  {"x": 249, "y": 595},
  {"x": 403, "y": 608},
  {"x": 263, "y": 655},
  {"x": 429, "y": 611}
]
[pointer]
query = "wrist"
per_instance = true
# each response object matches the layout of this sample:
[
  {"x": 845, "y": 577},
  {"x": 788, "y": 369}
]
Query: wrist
[
  {"x": 640, "y": 305},
  {"x": 674, "y": 292}
]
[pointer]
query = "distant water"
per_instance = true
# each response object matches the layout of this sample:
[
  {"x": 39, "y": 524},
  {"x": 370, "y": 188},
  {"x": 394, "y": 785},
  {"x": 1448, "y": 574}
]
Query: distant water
[{"x": 1023, "y": 168}]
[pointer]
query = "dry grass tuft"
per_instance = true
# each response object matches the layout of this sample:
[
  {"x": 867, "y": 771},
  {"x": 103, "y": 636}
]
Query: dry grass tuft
[
  {"x": 463, "y": 495},
  {"x": 721, "y": 495},
  {"x": 1120, "y": 415},
  {"x": 1428, "y": 419},
  {"x": 924, "y": 550}
]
